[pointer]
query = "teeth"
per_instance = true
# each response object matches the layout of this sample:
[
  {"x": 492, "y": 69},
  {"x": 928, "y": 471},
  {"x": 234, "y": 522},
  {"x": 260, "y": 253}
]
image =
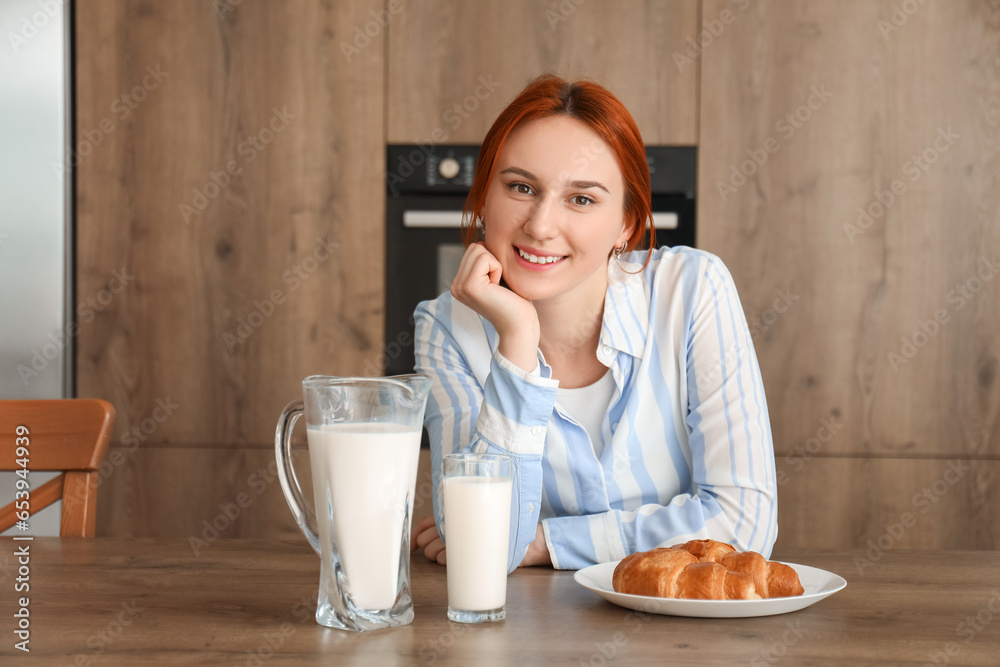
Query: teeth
[{"x": 538, "y": 260}]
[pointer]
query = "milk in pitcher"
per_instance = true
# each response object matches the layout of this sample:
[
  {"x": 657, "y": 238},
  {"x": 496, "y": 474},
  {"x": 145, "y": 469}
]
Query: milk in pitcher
[{"x": 364, "y": 477}]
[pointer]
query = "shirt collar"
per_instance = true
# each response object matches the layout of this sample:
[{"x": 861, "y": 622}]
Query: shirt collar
[{"x": 626, "y": 309}]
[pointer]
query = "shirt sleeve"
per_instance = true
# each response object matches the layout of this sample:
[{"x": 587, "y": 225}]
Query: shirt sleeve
[
  {"x": 733, "y": 496},
  {"x": 506, "y": 414},
  {"x": 729, "y": 426}
]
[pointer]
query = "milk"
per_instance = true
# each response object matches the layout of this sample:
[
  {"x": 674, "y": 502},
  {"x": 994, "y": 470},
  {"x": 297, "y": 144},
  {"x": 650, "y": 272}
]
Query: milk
[
  {"x": 363, "y": 479},
  {"x": 477, "y": 527}
]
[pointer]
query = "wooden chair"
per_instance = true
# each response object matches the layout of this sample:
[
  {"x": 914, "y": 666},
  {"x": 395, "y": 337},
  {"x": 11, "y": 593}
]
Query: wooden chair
[{"x": 68, "y": 435}]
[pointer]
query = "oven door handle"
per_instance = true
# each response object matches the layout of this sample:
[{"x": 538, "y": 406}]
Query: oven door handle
[
  {"x": 430, "y": 219},
  {"x": 665, "y": 220},
  {"x": 453, "y": 219}
]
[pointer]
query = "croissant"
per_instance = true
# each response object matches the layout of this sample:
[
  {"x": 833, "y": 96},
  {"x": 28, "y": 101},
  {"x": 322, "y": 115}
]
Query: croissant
[
  {"x": 707, "y": 551},
  {"x": 771, "y": 579},
  {"x": 675, "y": 573},
  {"x": 705, "y": 570}
]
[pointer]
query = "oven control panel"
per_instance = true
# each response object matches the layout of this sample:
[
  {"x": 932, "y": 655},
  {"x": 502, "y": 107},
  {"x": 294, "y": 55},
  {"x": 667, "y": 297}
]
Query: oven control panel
[
  {"x": 448, "y": 169},
  {"x": 429, "y": 168}
]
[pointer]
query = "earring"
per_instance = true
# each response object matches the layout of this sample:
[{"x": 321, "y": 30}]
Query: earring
[{"x": 620, "y": 250}]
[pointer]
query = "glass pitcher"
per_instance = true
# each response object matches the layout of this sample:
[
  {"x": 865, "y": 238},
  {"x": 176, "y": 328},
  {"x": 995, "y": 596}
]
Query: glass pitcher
[{"x": 364, "y": 442}]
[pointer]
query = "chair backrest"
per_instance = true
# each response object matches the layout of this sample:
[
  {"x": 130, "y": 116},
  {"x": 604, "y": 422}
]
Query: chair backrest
[{"x": 69, "y": 435}]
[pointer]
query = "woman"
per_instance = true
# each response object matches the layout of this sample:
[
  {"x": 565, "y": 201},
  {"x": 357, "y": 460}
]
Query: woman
[{"x": 623, "y": 381}]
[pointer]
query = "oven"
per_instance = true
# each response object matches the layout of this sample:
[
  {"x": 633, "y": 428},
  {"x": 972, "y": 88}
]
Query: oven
[{"x": 426, "y": 186}]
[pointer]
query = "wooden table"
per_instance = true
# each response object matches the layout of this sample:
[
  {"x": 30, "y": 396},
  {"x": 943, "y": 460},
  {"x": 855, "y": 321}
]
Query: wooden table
[{"x": 251, "y": 603}]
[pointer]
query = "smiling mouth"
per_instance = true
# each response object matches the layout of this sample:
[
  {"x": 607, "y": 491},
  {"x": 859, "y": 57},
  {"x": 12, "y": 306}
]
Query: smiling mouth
[{"x": 535, "y": 259}]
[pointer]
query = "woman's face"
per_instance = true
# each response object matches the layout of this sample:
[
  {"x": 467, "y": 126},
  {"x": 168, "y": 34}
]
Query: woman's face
[{"x": 555, "y": 210}]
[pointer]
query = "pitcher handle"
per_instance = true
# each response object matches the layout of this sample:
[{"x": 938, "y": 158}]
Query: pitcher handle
[{"x": 286, "y": 473}]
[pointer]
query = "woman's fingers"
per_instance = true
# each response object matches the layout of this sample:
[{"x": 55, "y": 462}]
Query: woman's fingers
[
  {"x": 478, "y": 271},
  {"x": 477, "y": 285},
  {"x": 426, "y": 537},
  {"x": 420, "y": 532},
  {"x": 432, "y": 544},
  {"x": 435, "y": 551}
]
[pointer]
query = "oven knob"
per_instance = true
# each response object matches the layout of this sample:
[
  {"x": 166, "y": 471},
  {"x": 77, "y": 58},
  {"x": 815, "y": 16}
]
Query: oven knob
[{"x": 449, "y": 167}]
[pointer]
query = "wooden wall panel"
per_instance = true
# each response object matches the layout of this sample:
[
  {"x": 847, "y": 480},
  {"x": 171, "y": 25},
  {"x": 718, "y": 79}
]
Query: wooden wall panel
[
  {"x": 166, "y": 290},
  {"x": 845, "y": 502},
  {"x": 903, "y": 126},
  {"x": 242, "y": 200},
  {"x": 210, "y": 493},
  {"x": 442, "y": 52}
]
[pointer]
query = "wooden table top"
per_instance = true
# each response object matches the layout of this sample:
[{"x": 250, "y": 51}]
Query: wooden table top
[{"x": 251, "y": 603}]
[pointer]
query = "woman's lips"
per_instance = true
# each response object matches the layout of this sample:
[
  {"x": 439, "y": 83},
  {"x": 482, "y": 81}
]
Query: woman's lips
[{"x": 536, "y": 260}]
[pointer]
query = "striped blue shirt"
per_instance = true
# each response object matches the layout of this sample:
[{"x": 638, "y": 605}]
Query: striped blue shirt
[{"x": 687, "y": 449}]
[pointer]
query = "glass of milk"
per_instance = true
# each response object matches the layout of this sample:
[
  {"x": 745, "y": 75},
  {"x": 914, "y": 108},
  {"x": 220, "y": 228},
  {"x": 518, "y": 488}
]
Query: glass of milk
[
  {"x": 477, "y": 506},
  {"x": 364, "y": 442}
]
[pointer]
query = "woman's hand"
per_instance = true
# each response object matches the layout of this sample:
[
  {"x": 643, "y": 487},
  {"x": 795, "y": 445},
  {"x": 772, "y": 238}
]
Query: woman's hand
[
  {"x": 538, "y": 552},
  {"x": 477, "y": 285},
  {"x": 425, "y": 536}
]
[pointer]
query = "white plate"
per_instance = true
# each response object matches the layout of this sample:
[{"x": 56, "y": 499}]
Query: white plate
[{"x": 818, "y": 584}]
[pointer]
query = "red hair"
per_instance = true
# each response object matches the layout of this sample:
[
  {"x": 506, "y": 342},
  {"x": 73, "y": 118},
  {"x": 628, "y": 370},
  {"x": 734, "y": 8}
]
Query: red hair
[{"x": 594, "y": 106}]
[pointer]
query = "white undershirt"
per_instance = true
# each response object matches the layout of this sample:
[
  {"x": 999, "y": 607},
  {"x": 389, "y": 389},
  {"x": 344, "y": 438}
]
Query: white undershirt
[{"x": 588, "y": 405}]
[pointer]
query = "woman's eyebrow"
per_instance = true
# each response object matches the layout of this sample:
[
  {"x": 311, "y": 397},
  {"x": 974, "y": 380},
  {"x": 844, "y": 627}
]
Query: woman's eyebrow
[
  {"x": 579, "y": 185},
  {"x": 586, "y": 185},
  {"x": 520, "y": 172}
]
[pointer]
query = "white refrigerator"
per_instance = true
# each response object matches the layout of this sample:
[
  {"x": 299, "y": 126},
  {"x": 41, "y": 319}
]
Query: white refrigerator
[{"x": 36, "y": 230}]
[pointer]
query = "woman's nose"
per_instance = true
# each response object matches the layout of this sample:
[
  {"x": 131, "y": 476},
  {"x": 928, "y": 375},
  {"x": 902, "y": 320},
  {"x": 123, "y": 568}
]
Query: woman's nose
[{"x": 542, "y": 220}]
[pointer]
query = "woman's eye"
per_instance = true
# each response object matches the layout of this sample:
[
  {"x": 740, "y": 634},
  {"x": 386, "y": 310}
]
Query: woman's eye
[
  {"x": 522, "y": 188},
  {"x": 582, "y": 200}
]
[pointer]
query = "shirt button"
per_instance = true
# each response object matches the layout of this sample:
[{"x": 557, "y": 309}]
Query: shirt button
[
  {"x": 535, "y": 430},
  {"x": 531, "y": 507},
  {"x": 607, "y": 349}
]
